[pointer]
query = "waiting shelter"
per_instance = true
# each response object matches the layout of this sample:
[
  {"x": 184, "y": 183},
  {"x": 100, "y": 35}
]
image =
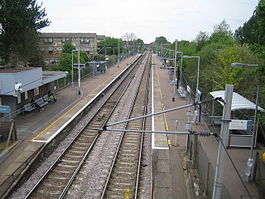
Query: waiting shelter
[{"x": 241, "y": 130}]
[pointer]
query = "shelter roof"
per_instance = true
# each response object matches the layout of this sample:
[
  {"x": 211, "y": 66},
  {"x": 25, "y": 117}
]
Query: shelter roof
[{"x": 238, "y": 101}]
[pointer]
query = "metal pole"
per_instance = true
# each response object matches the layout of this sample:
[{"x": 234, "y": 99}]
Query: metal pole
[
  {"x": 175, "y": 65},
  {"x": 151, "y": 114},
  {"x": 181, "y": 65},
  {"x": 72, "y": 69},
  {"x": 79, "y": 76},
  {"x": 224, "y": 133},
  {"x": 118, "y": 53},
  {"x": 198, "y": 75},
  {"x": 250, "y": 158}
]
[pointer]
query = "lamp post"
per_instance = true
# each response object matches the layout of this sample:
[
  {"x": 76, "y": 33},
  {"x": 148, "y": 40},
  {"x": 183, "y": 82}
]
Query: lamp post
[
  {"x": 175, "y": 65},
  {"x": 79, "y": 74},
  {"x": 105, "y": 56},
  {"x": 73, "y": 67},
  {"x": 249, "y": 167}
]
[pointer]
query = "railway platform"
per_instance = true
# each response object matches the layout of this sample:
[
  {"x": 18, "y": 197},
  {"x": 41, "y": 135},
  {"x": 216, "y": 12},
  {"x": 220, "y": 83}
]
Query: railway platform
[
  {"x": 35, "y": 129},
  {"x": 169, "y": 168}
]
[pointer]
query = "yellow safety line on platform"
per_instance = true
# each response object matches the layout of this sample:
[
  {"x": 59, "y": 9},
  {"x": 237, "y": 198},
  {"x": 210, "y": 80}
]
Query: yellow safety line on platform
[
  {"x": 41, "y": 133},
  {"x": 161, "y": 98}
]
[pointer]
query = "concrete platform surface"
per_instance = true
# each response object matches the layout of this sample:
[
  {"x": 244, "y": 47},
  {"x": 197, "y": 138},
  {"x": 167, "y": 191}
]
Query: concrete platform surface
[{"x": 208, "y": 148}]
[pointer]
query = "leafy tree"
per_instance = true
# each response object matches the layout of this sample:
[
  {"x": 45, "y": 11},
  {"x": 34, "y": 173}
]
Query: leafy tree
[
  {"x": 201, "y": 40},
  {"x": 253, "y": 31},
  {"x": 20, "y": 20},
  {"x": 222, "y": 33},
  {"x": 65, "y": 63},
  {"x": 161, "y": 40},
  {"x": 129, "y": 37},
  {"x": 225, "y": 74},
  {"x": 68, "y": 47},
  {"x": 111, "y": 45}
]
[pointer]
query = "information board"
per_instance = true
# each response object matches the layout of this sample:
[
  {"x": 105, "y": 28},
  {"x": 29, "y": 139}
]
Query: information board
[{"x": 241, "y": 125}]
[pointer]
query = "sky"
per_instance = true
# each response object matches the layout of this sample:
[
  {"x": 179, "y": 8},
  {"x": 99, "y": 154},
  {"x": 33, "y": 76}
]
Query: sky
[{"x": 147, "y": 19}]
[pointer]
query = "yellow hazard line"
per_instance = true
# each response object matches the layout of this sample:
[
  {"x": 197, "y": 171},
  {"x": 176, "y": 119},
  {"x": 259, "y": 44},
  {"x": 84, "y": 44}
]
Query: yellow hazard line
[{"x": 58, "y": 119}]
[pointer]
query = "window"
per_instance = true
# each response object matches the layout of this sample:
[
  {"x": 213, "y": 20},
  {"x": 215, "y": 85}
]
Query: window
[
  {"x": 18, "y": 98},
  {"x": 36, "y": 91},
  {"x": 26, "y": 95}
]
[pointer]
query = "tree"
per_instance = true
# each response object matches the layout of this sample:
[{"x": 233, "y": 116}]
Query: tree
[
  {"x": 253, "y": 31},
  {"x": 65, "y": 63},
  {"x": 161, "y": 40},
  {"x": 225, "y": 74},
  {"x": 129, "y": 37},
  {"x": 111, "y": 45},
  {"x": 68, "y": 47},
  {"x": 201, "y": 40},
  {"x": 222, "y": 33},
  {"x": 20, "y": 20}
]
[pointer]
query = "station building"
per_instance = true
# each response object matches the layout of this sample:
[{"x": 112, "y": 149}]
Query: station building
[
  {"x": 51, "y": 44},
  {"x": 19, "y": 86}
]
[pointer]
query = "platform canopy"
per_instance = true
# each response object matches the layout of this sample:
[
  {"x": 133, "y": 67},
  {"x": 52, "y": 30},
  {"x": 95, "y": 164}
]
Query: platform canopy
[{"x": 238, "y": 101}]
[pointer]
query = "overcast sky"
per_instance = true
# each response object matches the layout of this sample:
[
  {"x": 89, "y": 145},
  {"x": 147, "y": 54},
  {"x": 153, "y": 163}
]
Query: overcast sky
[{"x": 147, "y": 19}]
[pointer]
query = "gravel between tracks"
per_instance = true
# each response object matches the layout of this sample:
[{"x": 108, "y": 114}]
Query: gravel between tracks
[
  {"x": 36, "y": 176},
  {"x": 91, "y": 179}
]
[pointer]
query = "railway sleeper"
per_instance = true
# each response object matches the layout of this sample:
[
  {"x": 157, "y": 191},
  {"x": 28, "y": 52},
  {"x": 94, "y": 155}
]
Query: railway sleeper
[
  {"x": 113, "y": 195},
  {"x": 129, "y": 150},
  {"x": 51, "y": 186},
  {"x": 131, "y": 144},
  {"x": 94, "y": 125},
  {"x": 119, "y": 192},
  {"x": 125, "y": 174},
  {"x": 130, "y": 169},
  {"x": 131, "y": 141},
  {"x": 88, "y": 135},
  {"x": 85, "y": 140},
  {"x": 47, "y": 193},
  {"x": 76, "y": 151},
  {"x": 59, "y": 176},
  {"x": 63, "y": 170},
  {"x": 132, "y": 136},
  {"x": 121, "y": 184},
  {"x": 127, "y": 157},
  {"x": 69, "y": 161},
  {"x": 62, "y": 164},
  {"x": 79, "y": 146},
  {"x": 73, "y": 157}
]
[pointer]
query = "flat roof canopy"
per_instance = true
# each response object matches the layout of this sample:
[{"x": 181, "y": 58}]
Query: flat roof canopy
[{"x": 238, "y": 101}]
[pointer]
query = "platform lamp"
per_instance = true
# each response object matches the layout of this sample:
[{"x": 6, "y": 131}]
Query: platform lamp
[
  {"x": 73, "y": 67},
  {"x": 249, "y": 167}
]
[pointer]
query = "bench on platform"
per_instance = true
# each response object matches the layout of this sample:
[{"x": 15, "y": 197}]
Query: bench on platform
[
  {"x": 182, "y": 92},
  {"x": 43, "y": 101}
]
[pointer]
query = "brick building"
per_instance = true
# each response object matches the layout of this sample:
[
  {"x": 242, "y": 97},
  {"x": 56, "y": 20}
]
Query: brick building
[{"x": 51, "y": 44}]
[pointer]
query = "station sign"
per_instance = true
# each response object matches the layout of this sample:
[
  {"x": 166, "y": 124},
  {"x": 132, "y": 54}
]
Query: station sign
[
  {"x": 246, "y": 125},
  {"x": 81, "y": 66},
  {"x": 4, "y": 109}
]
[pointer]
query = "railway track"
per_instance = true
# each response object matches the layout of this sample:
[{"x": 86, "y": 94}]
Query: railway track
[
  {"x": 57, "y": 180},
  {"x": 124, "y": 175}
]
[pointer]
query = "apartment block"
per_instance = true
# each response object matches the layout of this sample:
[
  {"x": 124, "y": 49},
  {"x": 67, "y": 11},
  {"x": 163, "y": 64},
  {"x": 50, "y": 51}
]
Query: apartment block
[{"x": 51, "y": 44}]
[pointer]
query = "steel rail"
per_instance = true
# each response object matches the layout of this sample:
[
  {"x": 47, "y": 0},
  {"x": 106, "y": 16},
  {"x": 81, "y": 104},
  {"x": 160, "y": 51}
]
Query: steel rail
[
  {"x": 104, "y": 192},
  {"x": 76, "y": 137}
]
